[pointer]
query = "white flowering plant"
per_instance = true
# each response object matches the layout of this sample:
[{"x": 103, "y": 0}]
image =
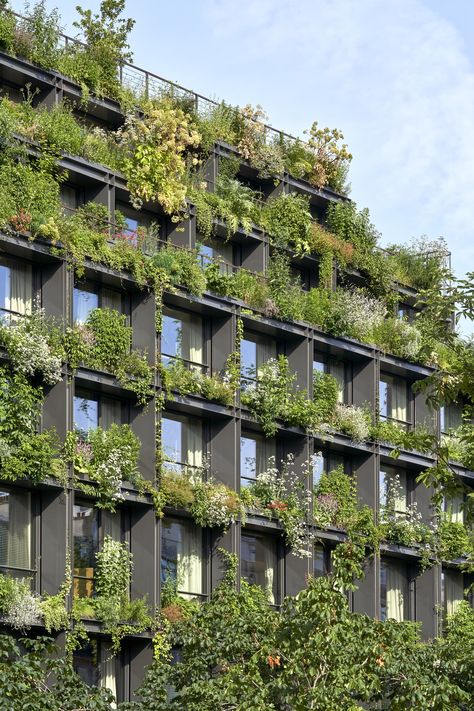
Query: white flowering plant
[
  {"x": 33, "y": 344},
  {"x": 282, "y": 492},
  {"x": 108, "y": 458},
  {"x": 20, "y": 607}
]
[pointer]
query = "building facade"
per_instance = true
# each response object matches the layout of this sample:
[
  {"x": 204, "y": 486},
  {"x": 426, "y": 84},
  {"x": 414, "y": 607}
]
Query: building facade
[{"x": 40, "y": 522}]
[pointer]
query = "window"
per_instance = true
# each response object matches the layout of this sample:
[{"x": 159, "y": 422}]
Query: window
[
  {"x": 254, "y": 352},
  {"x": 453, "y": 508},
  {"x": 87, "y": 297},
  {"x": 321, "y": 560},
  {"x": 182, "y": 557},
  {"x": 213, "y": 250},
  {"x": 323, "y": 463},
  {"x": 92, "y": 411},
  {"x": 406, "y": 313},
  {"x": 16, "y": 539},
  {"x": 134, "y": 220},
  {"x": 450, "y": 417},
  {"x": 393, "y": 590},
  {"x": 85, "y": 529},
  {"x": 393, "y": 490},
  {"x": 89, "y": 526},
  {"x": 182, "y": 443},
  {"x": 339, "y": 370},
  {"x": 452, "y": 590},
  {"x": 16, "y": 289},
  {"x": 182, "y": 338},
  {"x": 258, "y": 560},
  {"x": 70, "y": 198},
  {"x": 96, "y": 666},
  {"x": 393, "y": 399},
  {"x": 255, "y": 453}
]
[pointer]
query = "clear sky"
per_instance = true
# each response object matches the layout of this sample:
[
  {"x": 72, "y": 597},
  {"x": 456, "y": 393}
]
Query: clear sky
[{"x": 396, "y": 76}]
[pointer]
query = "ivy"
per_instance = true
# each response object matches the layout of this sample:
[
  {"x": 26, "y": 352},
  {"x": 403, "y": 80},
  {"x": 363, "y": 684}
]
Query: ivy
[{"x": 104, "y": 343}]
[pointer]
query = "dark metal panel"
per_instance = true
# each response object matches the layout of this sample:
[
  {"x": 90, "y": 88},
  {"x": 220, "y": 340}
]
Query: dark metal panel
[
  {"x": 365, "y": 599},
  {"x": 426, "y": 599},
  {"x": 143, "y": 323},
  {"x": 225, "y": 452},
  {"x": 143, "y": 539},
  {"x": 142, "y": 422},
  {"x": 53, "y": 541}
]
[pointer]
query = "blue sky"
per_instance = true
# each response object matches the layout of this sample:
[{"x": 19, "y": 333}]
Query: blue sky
[{"x": 396, "y": 76}]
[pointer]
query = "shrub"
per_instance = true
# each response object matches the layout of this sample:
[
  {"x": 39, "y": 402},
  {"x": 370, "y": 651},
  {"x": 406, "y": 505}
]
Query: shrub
[
  {"x": 155, "y": 154},
  {"x": 182, "y": 267},
  {"x": 108, "y": 457},
  {"x": 355, "y": 314},
  {"x": 282, "y": 493},
  {"x": 287, "y": 219},
  {"x": 352, "y": 421},
  {"x": 34, "y": 346}
]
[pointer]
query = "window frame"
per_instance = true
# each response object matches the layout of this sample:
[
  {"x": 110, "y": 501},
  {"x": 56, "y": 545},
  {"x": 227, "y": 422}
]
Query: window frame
[
  {"x": 275, "y": 542},
  {"x": 35, "y": 538},
  {"x": 204, "y": 545},
  {"x": 204, "y": 367},
  {"x": 407, "y": 424}
]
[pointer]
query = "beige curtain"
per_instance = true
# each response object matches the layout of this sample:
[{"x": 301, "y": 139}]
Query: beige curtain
[
  {"x": 265, "y": 350},
  {"x": 189, "y": 568},
  {"x": 398, "y": 391},
  {"x": 110, "y": 412},
  {"x": 265, "y": 452},
  {"x": 338, "y": 371},
  {"x": 396, "y": 590},
  {"x": 20, "y": 299},
  {"x": 193, "y": 446},
  {"x": 453, "y": 507},
  {"x": 453, "y": 590},
  {"x": 196, "y": 349},
  {"x": 107, "y": 671},
  {"x": 111, "y": 299},
  {"x": 111, "y": 525},
  {"x": 16, "y": 509},
  {"x": 269, "y": 560}
]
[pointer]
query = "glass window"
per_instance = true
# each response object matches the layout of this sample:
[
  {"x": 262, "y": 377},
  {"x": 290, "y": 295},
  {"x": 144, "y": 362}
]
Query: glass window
[
  {"x": 87, "y": 297},
  {"x": 453, "y": 508},
  {"x": 96, "y": 666},
  {"x": 85, "y": 300},
  {"x": 393, "y": 490},
  {"x": 90, "y": 412},
  {"x": 182, "y": 338},
  {"x": 393, "y": 590},
  {"x": 338, "y": 370},
  {"x": 182, "y": 443},
  {"x": 450, "y": 417},
  {"x": 258, "y": 560},
  {"x": 182, "y": 557},
  {"x": 321, "y": 558},
  {"x": 16, "y": 289},
  {"x": 85, "y": 529},
  {"x": 70, "y": 198},
  {"x": 255, "y": 453},
  {"x": 393, "y": 399},
  {"x": 452, "y": 590},
  {"x": 213, "y": 250},
  {"x": 254, "y": 352},
  {"x": 324, "y": 463},
  {"x": 15, "y": 533},
  {"x": 85, "y": 663}
]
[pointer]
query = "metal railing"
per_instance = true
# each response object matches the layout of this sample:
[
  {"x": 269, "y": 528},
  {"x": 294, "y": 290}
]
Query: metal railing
[{"x": 149, "y": 85}]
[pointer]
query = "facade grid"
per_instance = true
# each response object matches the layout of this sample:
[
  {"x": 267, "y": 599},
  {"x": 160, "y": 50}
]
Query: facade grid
[{"x": 201, "y": 333}]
